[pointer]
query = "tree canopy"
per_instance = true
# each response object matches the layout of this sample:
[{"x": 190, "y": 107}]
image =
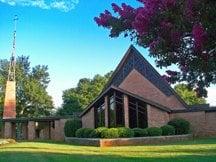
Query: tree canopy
[
  {"x": 76, "y": 99},
  {"x": 31, "y": 83},
  {"x": 180, "y": 32},
  {"x": 188, "y": 95}
]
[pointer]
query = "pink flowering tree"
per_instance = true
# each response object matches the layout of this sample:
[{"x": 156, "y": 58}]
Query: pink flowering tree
[{"x": 180, "y": 32}]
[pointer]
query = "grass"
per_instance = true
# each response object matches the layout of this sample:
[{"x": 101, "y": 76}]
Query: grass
[{"x": 188, "y": 151}]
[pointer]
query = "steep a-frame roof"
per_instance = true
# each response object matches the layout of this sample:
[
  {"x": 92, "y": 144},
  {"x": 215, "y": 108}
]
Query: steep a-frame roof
[{"x": 133, "y": 59}]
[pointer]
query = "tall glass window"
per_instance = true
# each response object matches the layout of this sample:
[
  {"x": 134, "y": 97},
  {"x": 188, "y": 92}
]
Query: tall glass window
[
  {"x": 101, "y": 116},
  {"x": 119, "y": 110},
  {"x": 142, "y": 116},
  {"x": 132, "y": 114},
  {"x": 112, "y": 112},
  {"x": 137, "y": 114},
  {"x": 116, "y": 110}
]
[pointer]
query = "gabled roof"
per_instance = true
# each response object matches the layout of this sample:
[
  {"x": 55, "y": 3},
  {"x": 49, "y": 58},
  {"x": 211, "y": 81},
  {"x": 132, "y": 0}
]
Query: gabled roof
[{"x": 133, "y": 59}]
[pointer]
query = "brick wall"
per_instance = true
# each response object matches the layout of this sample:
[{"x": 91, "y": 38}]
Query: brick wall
[
  {"x": 7, "y": 130},
  {"x": 45, "y": 132},
  {"x": 196, "y": 119},
  {"x": 88, "y": 119},
  {"x": 10, "y": 100},
  {"x": 156, "y": 117},
  {"x": 57, "y": 133},
  {"x": 210, "y": 127},
  {"x": 126, "y": 110},
  {"x": 31, "y": 130},
  {"x": 137, "y": 84}
]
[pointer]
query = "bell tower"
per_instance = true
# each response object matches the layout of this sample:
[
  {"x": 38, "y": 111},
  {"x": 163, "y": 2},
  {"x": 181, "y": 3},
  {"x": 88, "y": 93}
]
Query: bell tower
[{"x": 10, "y": 91}]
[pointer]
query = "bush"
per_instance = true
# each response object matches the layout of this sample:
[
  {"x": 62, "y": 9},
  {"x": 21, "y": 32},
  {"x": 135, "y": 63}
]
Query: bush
[
  {"x": 154, "y": 131},
  {"x": 139, "y": 132},
  {"x": 97, "y": 132},
  {"x": 125, "y": 132},
  {"x": 94, "y": 134},
  {"x": 84, "y": 132},
  {"x": 79, "y": 133},
  {"x": 110, "y": 133},
  {"x": 71, "y": 127},
  {"x": 181, "y": 126},
  {"x": 168, "y": 130}
]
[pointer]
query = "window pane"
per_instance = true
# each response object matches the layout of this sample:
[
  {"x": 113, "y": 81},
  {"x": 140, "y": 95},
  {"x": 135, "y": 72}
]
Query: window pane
[
  {"x": 142, "y": 116},
  {"x": 132, "y": 117},
  {"x": 101, "y": 116},
  {"x": 119, "y": 115},
  {"x": 112, "y": 113}
]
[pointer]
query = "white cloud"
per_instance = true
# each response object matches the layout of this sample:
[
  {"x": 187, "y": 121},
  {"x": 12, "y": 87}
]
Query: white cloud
[{"x": 62, "y": 5}]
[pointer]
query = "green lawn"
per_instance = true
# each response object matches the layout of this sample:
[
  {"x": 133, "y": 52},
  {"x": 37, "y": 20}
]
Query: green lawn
[{"x": 193, "y": 151}]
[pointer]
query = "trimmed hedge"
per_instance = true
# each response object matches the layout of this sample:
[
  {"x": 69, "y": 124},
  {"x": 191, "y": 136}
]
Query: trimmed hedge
[
  {"x": 110, "y": 133},
  {"x": 84, "y": 132},
  {"x": 97, "y": 132},
  {"x": 175, "y": 126},
  {"x": 71, "y": 127},
  {"x": 168, "y": 130},
  {"x": 139, "y": 132},
  {"x": 125, "y": 132},
  {"x": 181, "y": 126},
  {"x": 154, "y": 131}
]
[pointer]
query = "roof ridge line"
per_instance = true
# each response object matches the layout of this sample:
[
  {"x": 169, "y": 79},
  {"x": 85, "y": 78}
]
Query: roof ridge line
[{"x": 164, "y": 82}]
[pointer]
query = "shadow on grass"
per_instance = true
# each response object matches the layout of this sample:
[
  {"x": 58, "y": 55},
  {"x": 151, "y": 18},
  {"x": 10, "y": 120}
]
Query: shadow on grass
[{"x": 57, "y": 157}]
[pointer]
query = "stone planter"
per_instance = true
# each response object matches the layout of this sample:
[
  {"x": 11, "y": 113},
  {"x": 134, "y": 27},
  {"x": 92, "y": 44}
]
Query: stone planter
[{"x": 136, "y": 141}]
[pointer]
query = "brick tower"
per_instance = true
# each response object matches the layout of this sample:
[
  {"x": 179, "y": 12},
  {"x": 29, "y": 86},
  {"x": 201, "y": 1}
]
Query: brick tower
[{"x": 10, "y": 92}]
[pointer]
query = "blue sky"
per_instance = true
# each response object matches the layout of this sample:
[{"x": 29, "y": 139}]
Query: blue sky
[{"x": 63, "y": 35}]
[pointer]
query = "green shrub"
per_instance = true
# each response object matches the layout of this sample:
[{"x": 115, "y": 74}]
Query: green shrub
[
  {"x": 71, "y": 127},
  {"x": 84, "y": 132},
  {"x": 110, "y": 133},
  {"x": 168, "y": 130},
  {"x": 87, "y": 132},
  {"x": 94, "y": 134},
  {"x": 181, "y": 126},
  {"x": 125, "y": 132},
  {"x": 79, "y": 133},
  {"x": 139, "y": 132},
  {"x": 97, "y": 132},
  {"x": 154, "y": 131}
]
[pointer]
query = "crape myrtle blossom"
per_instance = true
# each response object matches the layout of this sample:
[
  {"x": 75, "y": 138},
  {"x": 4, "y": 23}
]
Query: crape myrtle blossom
[{"x": 180, "y": 32}]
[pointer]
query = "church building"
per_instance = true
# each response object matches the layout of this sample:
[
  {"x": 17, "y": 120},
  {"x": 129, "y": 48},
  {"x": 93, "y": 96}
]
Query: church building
[{"x": 137, "y": 96}]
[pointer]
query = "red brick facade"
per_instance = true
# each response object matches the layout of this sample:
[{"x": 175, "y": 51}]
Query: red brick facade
[
  {"x": 196, "y": 119},
  {"x": 53, "y": 130},
  {"x": 88, "y": 120},
  {"x": 10, "y": 100},
  {"x": 126, "y": 110},
  {"x": 202, "y": 123},
  {"x": 210, "y": 125},
  {"x": 137, "y": 84},
  {"x": 106, "y": 104},
  {"x": 157, "y": 117}
]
